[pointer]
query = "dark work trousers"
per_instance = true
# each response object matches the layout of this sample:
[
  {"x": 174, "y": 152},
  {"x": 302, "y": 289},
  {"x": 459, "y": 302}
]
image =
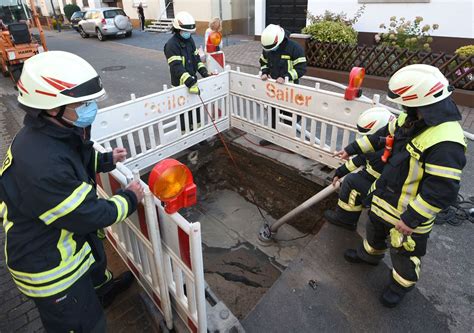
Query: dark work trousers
[
  {"x": 190, "y": 118},
  {"x": 406, "y": 264},
  {"x": 353, "y": 191},
  {"x": 142, "y": 22},
  {"x": 77, "y": 309}
]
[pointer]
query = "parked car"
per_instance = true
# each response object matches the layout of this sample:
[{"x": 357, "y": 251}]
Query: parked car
[
  {"x": 103, "y": 22},
  {"x": 75, "y": 18}
]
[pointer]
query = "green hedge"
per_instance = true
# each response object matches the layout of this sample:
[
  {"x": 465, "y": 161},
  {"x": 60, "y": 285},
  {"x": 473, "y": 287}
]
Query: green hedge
[{"x": 332, "y": 32}]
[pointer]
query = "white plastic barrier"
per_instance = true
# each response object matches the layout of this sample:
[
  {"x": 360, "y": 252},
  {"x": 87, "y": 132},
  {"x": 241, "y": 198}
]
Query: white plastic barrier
[
  {"x": 157, "y": 126},
  {"x": 309, "y": 121}
]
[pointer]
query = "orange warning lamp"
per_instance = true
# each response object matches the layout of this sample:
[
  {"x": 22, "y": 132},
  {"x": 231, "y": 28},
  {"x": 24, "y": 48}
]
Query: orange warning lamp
[
  {"x": 215, "y": 38},
  {"x": 356, "y": 77},
  {"x": 172, "y": 182}
]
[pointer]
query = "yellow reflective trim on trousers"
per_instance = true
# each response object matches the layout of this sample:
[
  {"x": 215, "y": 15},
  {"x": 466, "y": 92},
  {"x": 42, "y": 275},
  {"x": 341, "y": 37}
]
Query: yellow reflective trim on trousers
[
  {"x": 424, "y": 208},
  {"x": 386, "y": 206},
  {"x": 201, "y": 65},
  {"x": 348, "y": 207},
  {"x": 350, "y": 165},
  {"x": 410, "y": 186},
  {"x": 64, "y": 268},
  {"x": 53, "y": 289},
  {"x": 370, "y": 250},
  {"x": 299, "y": 60},
  {"x": 263, "y": 59},
  {"x": 184, "y": 77},
  {"x": 371, "y": 170},
  {"x": 67, "y": 205},
  {"x": 417, "y": 263},
  {"x": 66, "y": 245},
  {"x": 122, "y": 207},
  {"x": 108, "y": 277},
  {"x": 402, "y": 281},
  {"x": 174, "y": 58},
  {"x": 353, "y": 197},
  {"x": 442, "y": 171},
  {"x": 365, "y": 145}
]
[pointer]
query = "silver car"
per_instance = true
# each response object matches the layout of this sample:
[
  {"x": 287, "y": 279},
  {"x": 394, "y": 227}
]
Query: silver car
[{"x": 102, "y": 22}]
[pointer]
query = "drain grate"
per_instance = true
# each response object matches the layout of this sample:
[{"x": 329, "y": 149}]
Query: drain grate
[{"x": 113, "y": 68}]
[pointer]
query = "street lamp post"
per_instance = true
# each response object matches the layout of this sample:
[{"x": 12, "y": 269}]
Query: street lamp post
[{"x": 58, "y": 24}]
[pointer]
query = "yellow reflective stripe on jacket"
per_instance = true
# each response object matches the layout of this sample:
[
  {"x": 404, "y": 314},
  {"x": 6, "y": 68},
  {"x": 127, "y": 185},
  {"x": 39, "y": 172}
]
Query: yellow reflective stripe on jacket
[
  {"x": 410, "y": 186},
  {"x": 55, "y": 288},
  {"x": 64, "y": 269},
  {"x": 184, "y": 77},
  {"x": 424, "y": 208},
  {"x": 201, "y": 65},
  {"x": 442, "y": 171},
  {"x": 108, "y": 277},
  {"x": 299, "y": 60},
  {"x": 291, "y": 70},
  {"x": 67, "y": 205},
  {"x": 196, "y": 52},
  {"x": 96, "y": 158},
  {"x": 263, "y": 59},
  {"x": 365, "y": 145},
  {"x": 7, "y": 162},
  {"x": 402, "y": 281},
  {"x": 371, "y": 170},
  {"x": 350, "y": 165},
  {"x": 263, "y": 67},
  {"x": 174, "y": 58},
  {"x": 66, "y": 244},
  {"x": 122, "y": 207},
  {"x": 348, "y": 207},
  {"x": 370, "y": 250}
]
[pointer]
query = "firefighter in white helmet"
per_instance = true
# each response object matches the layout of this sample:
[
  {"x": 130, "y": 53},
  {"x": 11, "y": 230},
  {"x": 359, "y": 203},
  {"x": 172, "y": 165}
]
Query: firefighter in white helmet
[
  {"x": 48, "y": 201},
  {"x": 421, "y": 178},
  {"x": 281, "y": 58},
  {"x": 184, "y": 60},
  {"x": 355, "y": 186}
]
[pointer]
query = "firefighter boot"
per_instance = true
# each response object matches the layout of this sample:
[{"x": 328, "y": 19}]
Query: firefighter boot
[
  {"x": 334, "y": 217},
  {"x": 392, "y": 295},
  {"x": 110, "y": 290},
  {"x": 353, "y": 257}
]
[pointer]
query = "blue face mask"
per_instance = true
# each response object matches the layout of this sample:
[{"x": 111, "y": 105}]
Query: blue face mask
[
  {"x": 86, "y": 114},
  {"x": 185, "y": 34}
]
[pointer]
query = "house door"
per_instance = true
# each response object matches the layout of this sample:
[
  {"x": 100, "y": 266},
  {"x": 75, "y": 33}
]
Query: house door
[
  {"x": 169, "y": 9},
  {"x": 290, "y": 14}
]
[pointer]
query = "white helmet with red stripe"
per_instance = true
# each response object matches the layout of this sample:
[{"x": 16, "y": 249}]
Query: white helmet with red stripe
[
  {"x": 55, "y": 78},
  {"x": 418, "y": 85},
  {"x": 272, "y": 36},
  {"x": 373, "y": 119},
  {"x": 184, "y": 21}
]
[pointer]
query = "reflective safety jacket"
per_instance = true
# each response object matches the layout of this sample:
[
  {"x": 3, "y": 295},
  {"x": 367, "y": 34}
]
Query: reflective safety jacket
[
  {"x": 50, "y": 209},
  {"x": 286, "y": 61},
  {"x": 372, "y": 162},
  {"x": 423, "y": 174},
  {"x": 184, "y": 61}
]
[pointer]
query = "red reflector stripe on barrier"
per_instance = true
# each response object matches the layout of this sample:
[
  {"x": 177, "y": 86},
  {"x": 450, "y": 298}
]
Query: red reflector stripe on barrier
[
  {"x": 142, "y": 220},
  {"x": 98, "y": 180},
  {"x": 157, "y": 300},
  {"x": 114, "y": 185},
  {"x": 133, "y": 268},
  {"x": 192, "y": 326},
  {"x": 184, "y": 247},
  {"x": 111, "y": 239}
]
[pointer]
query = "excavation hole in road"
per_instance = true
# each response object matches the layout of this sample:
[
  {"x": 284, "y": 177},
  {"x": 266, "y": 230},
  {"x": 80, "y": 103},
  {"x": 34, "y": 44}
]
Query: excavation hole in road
[{"x": 237, "y": 268}]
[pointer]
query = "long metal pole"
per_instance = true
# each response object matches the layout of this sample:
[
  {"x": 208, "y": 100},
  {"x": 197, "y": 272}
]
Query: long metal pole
[{"x": 38, "y": 24}]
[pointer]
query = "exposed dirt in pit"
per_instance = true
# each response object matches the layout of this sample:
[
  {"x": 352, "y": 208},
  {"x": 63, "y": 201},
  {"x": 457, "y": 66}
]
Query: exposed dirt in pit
[
  {"x": 276, "y": 189},
  {"x": 239, "y": 276}
]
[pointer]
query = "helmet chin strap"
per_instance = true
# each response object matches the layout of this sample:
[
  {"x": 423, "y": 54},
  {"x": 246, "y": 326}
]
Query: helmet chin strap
[{"x": 59, "y": 117}]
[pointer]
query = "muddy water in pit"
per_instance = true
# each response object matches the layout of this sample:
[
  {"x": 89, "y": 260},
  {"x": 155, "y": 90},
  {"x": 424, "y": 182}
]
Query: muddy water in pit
[{"x": 237, "y": 271}]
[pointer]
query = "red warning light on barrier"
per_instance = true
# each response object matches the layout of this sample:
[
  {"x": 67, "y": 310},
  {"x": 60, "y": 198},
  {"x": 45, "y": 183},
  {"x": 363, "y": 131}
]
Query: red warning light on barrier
[
  {"x": 356, "y": 77},
  {"x": 172, "y": 182},
  {"x": 213, "y": 41}
]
